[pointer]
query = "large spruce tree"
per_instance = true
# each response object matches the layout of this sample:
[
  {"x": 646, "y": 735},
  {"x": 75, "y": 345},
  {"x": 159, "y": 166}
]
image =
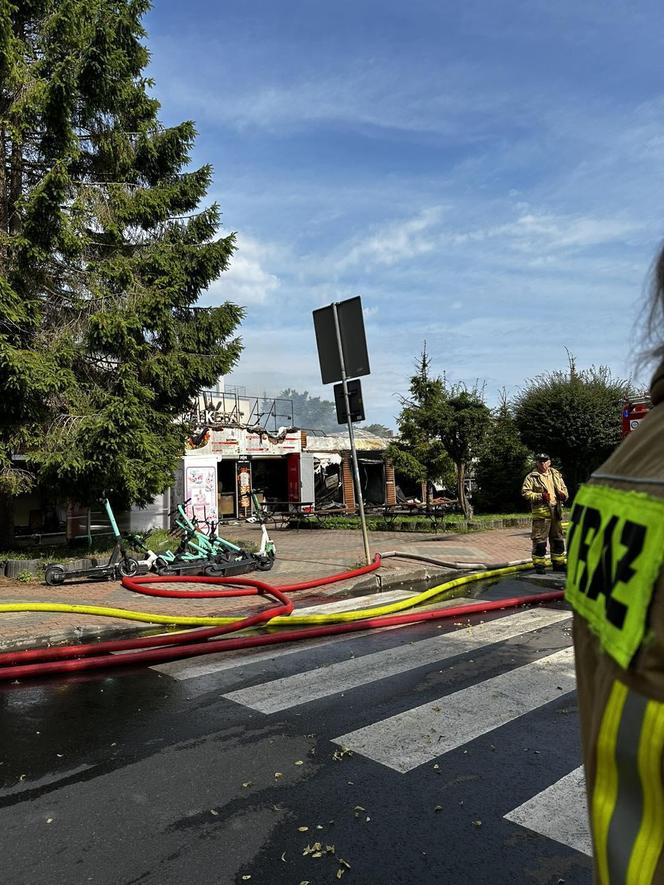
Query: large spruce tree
[
  {"x": 438, "y": 426},
  {"x": 104, "y": 251},
  {"x": 418, "y": 451}
]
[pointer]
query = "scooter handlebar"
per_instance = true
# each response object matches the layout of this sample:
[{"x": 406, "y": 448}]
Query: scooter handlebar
[{"x": 177, "y": 507}]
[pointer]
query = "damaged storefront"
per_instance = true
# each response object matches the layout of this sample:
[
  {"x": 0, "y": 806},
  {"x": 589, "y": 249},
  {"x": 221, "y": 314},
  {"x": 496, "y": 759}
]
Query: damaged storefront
[
  {"x": 333, "y": 471},
  {"x": 222, "y": 466}
]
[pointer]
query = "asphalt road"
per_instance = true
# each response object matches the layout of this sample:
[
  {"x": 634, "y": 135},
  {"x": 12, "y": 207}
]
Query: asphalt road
[{"x": 423, "y": 754}]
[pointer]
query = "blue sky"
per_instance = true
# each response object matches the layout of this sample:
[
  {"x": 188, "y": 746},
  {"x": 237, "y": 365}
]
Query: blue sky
[{"x": 487, "y": 176}]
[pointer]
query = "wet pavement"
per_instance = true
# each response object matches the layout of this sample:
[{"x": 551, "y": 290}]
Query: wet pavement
[{"x": 170, "y": 775}]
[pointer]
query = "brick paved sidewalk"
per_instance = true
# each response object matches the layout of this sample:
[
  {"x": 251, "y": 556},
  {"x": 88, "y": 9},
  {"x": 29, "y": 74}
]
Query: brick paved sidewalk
[{"x": 302, "y": 555}]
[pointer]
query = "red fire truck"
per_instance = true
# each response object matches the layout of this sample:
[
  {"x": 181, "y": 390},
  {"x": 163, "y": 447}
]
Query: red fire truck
[{"x": 634, "y": 411}]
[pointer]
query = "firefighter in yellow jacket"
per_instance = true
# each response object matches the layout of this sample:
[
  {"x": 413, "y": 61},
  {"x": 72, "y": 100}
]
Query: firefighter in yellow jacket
[
  {"x": 545, "y": 490},
  {"x": 615, "y": 584}
]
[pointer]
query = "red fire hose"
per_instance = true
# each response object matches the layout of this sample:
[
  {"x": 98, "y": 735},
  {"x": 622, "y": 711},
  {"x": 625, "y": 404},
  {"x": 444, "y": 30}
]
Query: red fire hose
[{"x": 191, "y": 643}]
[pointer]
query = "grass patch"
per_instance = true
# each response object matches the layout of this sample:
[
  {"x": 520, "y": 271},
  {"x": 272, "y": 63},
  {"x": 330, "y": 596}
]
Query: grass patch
[{"x": 453, "y": 522}]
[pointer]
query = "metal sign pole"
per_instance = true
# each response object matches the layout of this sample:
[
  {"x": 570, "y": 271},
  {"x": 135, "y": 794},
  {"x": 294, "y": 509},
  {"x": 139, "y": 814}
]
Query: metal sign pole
[{"x": 356, "y": 467}]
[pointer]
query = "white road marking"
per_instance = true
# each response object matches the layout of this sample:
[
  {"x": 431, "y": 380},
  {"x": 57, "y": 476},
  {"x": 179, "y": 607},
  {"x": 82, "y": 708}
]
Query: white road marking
[
  {"x": 412, "y": 738},
  {"x": 355, "y": 602},
  {"x": 559, "y": 812},
  {"x": 302, "y": 688},
  {"x": 225, "y": 661}
]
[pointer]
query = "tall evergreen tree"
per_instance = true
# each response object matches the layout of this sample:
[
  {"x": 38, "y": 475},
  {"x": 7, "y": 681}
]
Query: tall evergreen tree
[
  {"x": 439, "y": 425},
  {"x": 418, "y": 452},
  {"x": 103, "y": 255}
]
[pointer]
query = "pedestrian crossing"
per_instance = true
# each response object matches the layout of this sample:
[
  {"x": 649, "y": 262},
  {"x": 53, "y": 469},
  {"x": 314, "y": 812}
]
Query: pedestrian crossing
[
  {"x": 420, "y": 735},
  {"x": 426, "y": 732},
  {"x": 218, "y": 663},
  {"x": 291, "y": 691},
  {"x": 566, "y": 796}
]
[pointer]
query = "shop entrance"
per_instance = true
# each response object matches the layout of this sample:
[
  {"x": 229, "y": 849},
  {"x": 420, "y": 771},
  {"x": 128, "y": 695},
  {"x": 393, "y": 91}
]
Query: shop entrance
[
  {"x": 226, "y": 479},
  {"x": 270, "y": 480}
]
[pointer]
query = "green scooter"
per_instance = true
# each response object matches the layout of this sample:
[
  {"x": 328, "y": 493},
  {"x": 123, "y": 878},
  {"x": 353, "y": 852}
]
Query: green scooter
[{"x": 119, "y": 565}]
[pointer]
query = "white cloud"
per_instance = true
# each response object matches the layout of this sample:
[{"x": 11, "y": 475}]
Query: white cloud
[
  {"x": 533, "y": 232},
  {"x": 391, "y": 243},
  {"x": 246, "y": 281}
]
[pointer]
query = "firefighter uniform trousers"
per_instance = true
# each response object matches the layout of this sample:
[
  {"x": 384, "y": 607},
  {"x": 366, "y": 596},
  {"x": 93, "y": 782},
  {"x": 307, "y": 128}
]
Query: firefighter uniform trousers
[
  {"x": 548, "y": 528},
  {"x": 615, "y": 585}
]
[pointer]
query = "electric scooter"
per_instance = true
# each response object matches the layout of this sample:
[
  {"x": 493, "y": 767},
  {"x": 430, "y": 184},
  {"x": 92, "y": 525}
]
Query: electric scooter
[
  {"x": 196, "y": 554},
  {"x": 211, "y": 555},
  {"x": 267, "y": 551},
  {"x": 119, "y": 565}
]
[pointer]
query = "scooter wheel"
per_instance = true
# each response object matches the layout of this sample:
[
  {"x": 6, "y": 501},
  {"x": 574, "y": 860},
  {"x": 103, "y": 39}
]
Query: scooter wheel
[
  {"x": 128, "y": 567},
  {"x": 265, "y": 563},
  {"x": 54, "y": 575},
  {"x": 213, "y": 571}
]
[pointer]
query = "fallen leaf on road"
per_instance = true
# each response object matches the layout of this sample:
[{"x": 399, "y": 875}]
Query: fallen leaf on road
[{"x": 338, "y": 755}]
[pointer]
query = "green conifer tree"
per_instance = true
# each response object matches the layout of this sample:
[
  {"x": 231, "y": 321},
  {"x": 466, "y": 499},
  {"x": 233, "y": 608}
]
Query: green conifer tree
[
  {"x": 418, "y": 451},
  {"x": 438, "y": 425},
  {"x": 104, "y": 252}
]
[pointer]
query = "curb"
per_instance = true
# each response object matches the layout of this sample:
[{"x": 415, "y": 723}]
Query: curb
[
  {"x": 76, "y": 636},
  {"x": 418, "y": 580}
]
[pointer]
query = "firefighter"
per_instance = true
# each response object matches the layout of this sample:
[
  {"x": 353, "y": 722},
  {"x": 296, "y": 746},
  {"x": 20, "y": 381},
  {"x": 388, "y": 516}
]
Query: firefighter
[
  {"x": 545, "y": 490},
  {"x": 615, "y": 585}
]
